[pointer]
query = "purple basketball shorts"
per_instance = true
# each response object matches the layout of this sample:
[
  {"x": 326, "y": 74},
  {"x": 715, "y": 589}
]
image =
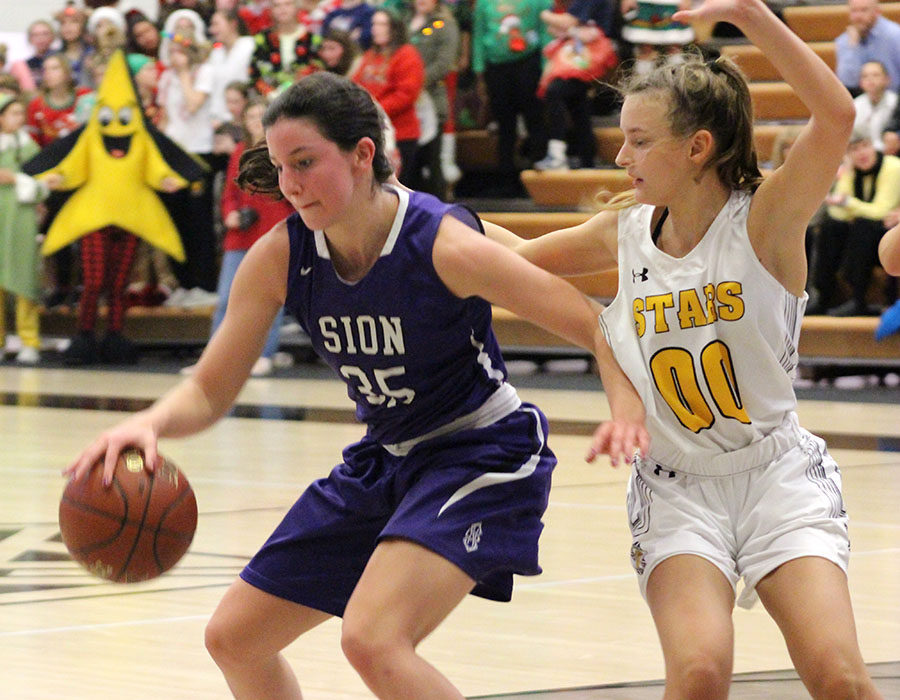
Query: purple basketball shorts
[{"x": 475, "y": 497}]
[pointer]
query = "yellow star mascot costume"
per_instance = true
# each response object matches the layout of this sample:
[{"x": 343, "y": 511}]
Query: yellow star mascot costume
[{"x": 114, "y": 167}]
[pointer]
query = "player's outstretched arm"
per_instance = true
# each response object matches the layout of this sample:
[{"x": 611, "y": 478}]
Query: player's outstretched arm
[
  {"x": 889, "y": 251},
  {"x": 472, "y": 265},
  {"x": 200, "y": 400},
  {"x": 584, "y": 249}
]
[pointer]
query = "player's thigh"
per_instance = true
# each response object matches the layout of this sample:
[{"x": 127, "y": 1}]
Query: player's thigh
[
  {"x": 809, "y": 600},
  {"x": 257, "y": 624},
  {"x": 691, "y": 602},
  {"x": 404, "y": 593}
]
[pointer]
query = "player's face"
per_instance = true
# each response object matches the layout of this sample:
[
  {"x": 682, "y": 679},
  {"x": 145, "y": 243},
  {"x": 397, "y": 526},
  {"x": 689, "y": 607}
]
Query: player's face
[
  {"x": 315, "y": 176},
  {"x": 651, "y": 154}
]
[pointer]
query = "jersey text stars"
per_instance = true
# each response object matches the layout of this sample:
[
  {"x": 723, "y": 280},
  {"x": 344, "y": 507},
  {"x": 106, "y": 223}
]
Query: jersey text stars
[{"x": 695, "y": 307}]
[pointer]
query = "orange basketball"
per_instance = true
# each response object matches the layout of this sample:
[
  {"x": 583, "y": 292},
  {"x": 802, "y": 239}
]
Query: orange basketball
[{"x": 133, "y": 530}]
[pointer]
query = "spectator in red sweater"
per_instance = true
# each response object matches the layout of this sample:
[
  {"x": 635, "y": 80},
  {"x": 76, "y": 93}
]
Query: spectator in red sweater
[
  {"x": 393, "y": 72},
  {"x": 51, "y": 113}
]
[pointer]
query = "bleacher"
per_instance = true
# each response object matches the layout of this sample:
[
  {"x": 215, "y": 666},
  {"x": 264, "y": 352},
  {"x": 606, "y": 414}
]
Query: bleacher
[{"x": 824, "y": 340}]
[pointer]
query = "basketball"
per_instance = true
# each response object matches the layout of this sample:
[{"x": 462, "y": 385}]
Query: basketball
[{"x": 133, "y": 530}]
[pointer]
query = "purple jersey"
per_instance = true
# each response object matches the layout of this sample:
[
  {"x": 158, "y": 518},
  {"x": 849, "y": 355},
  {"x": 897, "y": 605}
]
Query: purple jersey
[{"x": 413, "y": 355}]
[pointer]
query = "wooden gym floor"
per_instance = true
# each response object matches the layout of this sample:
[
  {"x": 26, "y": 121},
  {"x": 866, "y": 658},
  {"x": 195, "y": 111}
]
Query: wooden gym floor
[{"x": 580, "y": 628}]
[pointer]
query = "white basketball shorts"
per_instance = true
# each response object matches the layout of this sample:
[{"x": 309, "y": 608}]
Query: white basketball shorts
[{"x": 747, "y": 523}]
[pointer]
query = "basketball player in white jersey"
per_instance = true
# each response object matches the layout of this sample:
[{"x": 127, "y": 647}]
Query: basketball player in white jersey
[{"x": 711, "y": 295}]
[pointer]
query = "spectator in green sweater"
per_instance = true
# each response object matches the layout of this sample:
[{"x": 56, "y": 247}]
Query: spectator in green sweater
[{"x": 507, "y": 38}]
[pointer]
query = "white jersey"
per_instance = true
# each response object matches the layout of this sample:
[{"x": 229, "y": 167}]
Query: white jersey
[{"x": 709, "y": 341}]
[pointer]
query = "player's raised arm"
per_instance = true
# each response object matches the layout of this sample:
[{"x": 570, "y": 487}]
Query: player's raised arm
[{"x": 786, "y": 200}]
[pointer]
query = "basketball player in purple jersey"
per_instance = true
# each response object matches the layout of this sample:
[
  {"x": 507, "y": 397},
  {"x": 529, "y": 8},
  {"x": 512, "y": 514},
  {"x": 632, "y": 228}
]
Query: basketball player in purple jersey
[{"x": 445, "y": 493}]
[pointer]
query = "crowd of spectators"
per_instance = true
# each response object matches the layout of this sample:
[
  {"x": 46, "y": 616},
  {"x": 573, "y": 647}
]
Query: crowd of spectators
[{"x": 531, "y": 70}]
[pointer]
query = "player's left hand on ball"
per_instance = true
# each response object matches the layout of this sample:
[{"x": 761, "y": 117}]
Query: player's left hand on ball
[{"x": 620, "y": 440}]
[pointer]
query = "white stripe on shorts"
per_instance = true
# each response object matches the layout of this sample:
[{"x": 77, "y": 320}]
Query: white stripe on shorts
[{"x": 494, "y": 478}]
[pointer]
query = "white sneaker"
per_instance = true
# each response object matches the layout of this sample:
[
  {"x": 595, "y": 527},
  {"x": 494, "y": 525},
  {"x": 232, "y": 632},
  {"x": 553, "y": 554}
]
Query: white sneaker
[
  {"x": 291, "y": 327},
  {"x": 176, "y": 298},
  {"x": 28, "y": 356},
  {"x": 282, "y": 359},
  {"x": 198, "y": 298},
  {"x": 551, "y": 163},
  {"x": 262, "y": 367},
  {"x": 13, "y": 345}
]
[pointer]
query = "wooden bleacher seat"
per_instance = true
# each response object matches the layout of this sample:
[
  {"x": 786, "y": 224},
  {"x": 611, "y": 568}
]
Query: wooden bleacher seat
[
  {"x": 145, "y": 325},
  {"x": 567, "y": 188},
  {"x": 827, "y": 22},
  {"x": 533, "y": 224},
  {"x": 477, "y": 149},
  {"x": 757, "y": 67},
  {"x": 776, "y": 101},
  {"x": 574, "y": 188},
  {"x": 823, "y": 339}
]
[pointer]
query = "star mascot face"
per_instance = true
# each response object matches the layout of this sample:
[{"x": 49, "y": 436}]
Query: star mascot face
[
  {"x": 117, "y": 127},
  {"x": 115, "y": 166}
]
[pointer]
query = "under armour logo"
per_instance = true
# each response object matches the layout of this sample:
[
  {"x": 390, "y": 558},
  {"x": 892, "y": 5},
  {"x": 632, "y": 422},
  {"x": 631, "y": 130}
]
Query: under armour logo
[
  {"x": 472, "y": 537},
  {"x": 642, "y": 275}
]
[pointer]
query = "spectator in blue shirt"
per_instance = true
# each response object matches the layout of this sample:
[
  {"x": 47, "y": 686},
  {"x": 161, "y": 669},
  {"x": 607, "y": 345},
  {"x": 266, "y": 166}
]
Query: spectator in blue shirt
[
  {"x": 869, "y": 37},
  {"x": 353, "y": 17}
]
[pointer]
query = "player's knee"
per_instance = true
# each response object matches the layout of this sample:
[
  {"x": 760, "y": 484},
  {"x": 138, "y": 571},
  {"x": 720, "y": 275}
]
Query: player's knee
[
  {"x": 223, "y": 642},
  {"x": 703, "y": 677},
  {"x": 368, "y": 651},
  {"x": 837, "y": 679}
]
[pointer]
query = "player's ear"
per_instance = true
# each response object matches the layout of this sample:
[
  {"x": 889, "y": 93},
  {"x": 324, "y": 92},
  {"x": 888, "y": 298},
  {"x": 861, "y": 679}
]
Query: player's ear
[
  {"x": 703, "y": 146},
  {"x": 364, "y": 153}
]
